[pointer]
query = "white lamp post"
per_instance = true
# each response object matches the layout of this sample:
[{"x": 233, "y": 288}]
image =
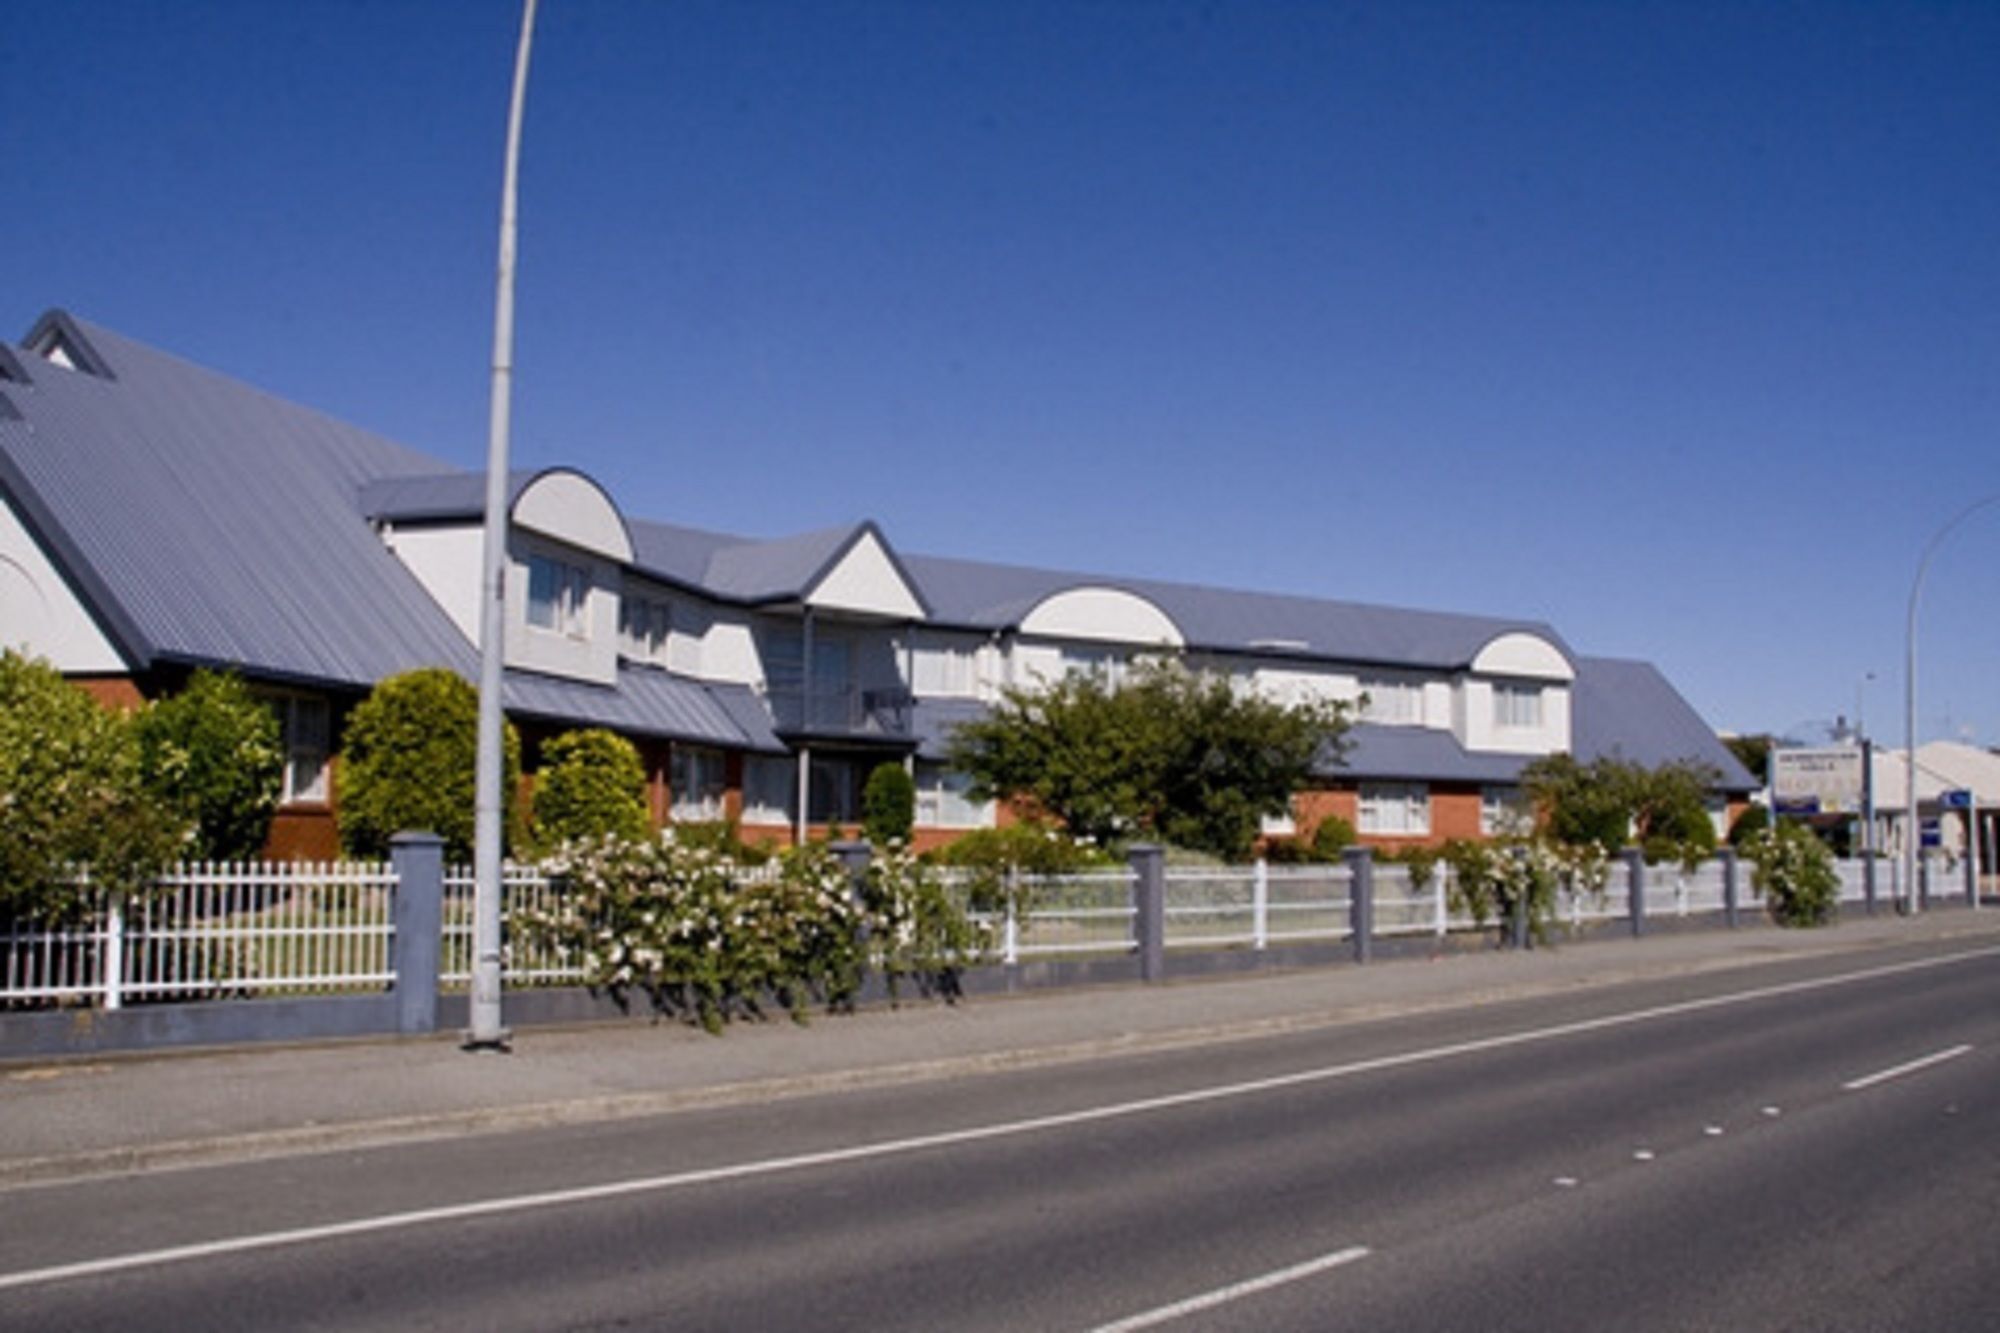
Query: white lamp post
[{"x": 486, "y": 1032}]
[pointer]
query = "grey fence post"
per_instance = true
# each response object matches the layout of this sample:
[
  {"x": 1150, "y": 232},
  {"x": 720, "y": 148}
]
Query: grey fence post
[
  {"x": 1517, "y": 924},
  {"x": 1361, "y": 900},
  {"x": 1635, "y": 884},
  {"x": 416, "y": 948},
  {"x": 1149, "y": 909},
  {"x": 854, "y": 855},
  {"x": 1729, "y": 896},
  {"x": 1923, "y": 882},
  {"x": 1868, "y": 880}
]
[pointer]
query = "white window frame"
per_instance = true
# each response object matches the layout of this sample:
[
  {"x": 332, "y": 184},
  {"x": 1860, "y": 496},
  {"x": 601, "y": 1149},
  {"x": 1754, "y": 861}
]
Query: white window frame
[
  {"x": 645, "y": 625},
  {"x": 563, "y": 607},
  {"x": 945, "y": 671},
  {"x": 1503, "y": 811},
  {"x": 304, "y": 719},
  {"x": 1394, "y": 809},
  {"x": 697, "y": 781},
  {"x": 942, "y": 802},
  {"x": 1392, "y": 702},
  {"x": 1517, "y": 707}
]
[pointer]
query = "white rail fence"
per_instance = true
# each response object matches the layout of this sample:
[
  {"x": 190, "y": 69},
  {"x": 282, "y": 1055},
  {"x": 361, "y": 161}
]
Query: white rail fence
[{"x": 260, "y": 929}]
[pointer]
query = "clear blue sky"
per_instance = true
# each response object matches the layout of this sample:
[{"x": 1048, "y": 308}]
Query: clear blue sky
[{"x": 1675, "y": 325}]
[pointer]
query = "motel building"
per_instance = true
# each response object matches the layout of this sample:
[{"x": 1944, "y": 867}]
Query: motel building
[{"x": 156, "y": 517}]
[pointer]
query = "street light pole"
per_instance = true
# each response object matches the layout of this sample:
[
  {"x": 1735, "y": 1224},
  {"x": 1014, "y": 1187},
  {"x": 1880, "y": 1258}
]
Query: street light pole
[
  {"x": 1912, "y": 834},
  {"x": 486, "y": 1032}
]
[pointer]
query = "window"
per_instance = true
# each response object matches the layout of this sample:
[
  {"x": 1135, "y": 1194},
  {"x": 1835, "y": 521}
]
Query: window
[
  {"x": 643, "y": 628},
  {"x": 1517, "y": 707},
  {"x": 943, "y": 671},
  {"x": 942, "y": 801},
  {"x": 1503, "y": 812},
  {"x": 558, "y": 595},
  {"x": 1108, "y": 665},
  {"x": 305, "y": 729},
  {"x": 770, "y": 789},
  {"x": 1392, "y": 701},
  {"x": 696, "y": 780},
  {"x": 1395, "y": 808}
]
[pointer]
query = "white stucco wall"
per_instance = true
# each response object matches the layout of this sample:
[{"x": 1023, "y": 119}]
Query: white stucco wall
[
  {"x": 446, "y": 561},
  {"x": 866, "y": 581},
  {"x": 574, "y": 510},
  {"x": 593, "y": 656},
  {"x": 39, "y": 614},
  {"x": 1524, "y": 656},
  {"x": 1103, "y": 615}
]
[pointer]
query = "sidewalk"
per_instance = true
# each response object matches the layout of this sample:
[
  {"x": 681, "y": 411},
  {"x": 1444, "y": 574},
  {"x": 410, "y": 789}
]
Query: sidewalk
[{"x": 65, "y": 1120}]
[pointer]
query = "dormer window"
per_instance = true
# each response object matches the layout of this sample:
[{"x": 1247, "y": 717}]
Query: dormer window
[
  {"x": 643, "y": 628},
  {"x": 558, "y": 595},
  {"x": 1517, "y": 707},
  {"x": 1391, "y": 701}
]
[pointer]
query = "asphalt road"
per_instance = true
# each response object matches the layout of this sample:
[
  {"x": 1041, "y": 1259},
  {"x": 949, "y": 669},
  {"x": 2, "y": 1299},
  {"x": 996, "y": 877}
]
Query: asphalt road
[{"x": 1814, "y": 1146}]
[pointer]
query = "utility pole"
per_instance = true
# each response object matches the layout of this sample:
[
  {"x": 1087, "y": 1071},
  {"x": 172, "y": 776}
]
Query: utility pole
[{"x": 486, "y": 1032}]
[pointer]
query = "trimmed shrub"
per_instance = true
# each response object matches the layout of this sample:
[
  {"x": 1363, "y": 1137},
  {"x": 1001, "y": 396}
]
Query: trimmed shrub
[
  {"x": 1333, "y": 836},
  {"x": 213, "y": 754},
  {"x": 71, "y": 795},
  {"x": 888, "y": 805},
  {"x": 409, "y": 761},
  {"x": 591, "y": 785}
]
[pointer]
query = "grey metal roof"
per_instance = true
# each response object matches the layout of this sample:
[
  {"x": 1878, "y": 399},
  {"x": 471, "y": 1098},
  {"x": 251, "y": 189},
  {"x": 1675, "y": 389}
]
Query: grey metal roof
[
  {"x": 646, "y": 702},
  {"x": 778, "y": 570},
  {"x": 209, "y": 522},
  {"x": 1627, "y": 709},
  {"x": 983, "y": 596},
  {"x": 1421, "y": 754}
]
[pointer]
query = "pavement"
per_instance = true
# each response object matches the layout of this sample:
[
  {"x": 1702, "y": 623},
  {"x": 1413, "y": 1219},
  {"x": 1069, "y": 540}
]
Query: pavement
[{"x": 65, "y": 1120}]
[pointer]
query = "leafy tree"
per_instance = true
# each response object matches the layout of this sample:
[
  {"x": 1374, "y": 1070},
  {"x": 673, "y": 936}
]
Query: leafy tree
[
  {"x": 1612, "y": 802},
  {"x": 592, "y": 785},
  {"x": 71, "y": 795},
  {"x": 409, "y": 760},
  {"x": 212, "y": 753},
  {"x": 1754, "y": 820},
  {"x": 1173, "y": 754},
  {"x": 888, "y": 805},
  {"x": 1753, "y": 752}
]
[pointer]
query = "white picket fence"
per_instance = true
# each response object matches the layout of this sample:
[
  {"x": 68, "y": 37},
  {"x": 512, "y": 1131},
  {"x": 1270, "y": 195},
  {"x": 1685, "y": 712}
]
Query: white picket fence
[
  {"x": 214, "y": 931},
  {"x": 236, "y": 930}
]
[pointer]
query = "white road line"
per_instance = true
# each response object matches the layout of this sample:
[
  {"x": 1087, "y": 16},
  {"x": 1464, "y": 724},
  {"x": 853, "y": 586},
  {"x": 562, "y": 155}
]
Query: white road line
[
  {"x": 1234, "y": 1291},
  {"x": 952, "y": 1138},
  {"x": 1884, "y": 1075}
]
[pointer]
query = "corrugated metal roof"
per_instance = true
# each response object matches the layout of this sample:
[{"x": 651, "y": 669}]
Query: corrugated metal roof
[
  {"x": 983, "y": 596},
  {"x": 1421, "y": 754},
  {"x": 646, "y": 702},
  {"x": 1628, "y": 710},
  {"x": 211, "y": 522},
  {"x": 778, "y": 570}
]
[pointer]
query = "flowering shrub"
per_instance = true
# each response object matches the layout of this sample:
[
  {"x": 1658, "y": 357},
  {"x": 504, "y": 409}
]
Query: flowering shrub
[
  {"x": 1508, "y": 878},
  {"x": 1794, "y": 871},
  {"x": 916, "y": 931},
  {"x": 707, "y": 937}
]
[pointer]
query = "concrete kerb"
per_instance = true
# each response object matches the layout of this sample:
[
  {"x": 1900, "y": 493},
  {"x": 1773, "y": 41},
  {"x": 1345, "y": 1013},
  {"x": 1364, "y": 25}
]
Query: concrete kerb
[{"x": 1599, "y": 968}]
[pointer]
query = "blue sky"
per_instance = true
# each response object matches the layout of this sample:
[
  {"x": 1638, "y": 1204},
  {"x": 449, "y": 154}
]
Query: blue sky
[{"x": 1675, "y": 325}]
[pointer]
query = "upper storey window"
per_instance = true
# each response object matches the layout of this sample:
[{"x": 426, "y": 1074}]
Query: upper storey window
[
  {"x": 644, "y": 625},
  {"x": 1392, "y": 701},
  {"x": 1517, "y": 707},
  {"x": 558, "y": 594}
]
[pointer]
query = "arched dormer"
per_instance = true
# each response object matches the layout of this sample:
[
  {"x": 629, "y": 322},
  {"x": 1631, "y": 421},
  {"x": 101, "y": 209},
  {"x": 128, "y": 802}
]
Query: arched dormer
[
  {"x": 569, "y": 507},
  {"x": 1103, "y": 614},
  {"x": 1523, "y": 656}
]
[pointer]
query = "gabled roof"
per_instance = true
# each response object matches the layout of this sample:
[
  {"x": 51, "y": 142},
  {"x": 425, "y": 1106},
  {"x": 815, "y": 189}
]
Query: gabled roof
[
  {"x": 201, "y": 517},
  {"x": 976, "y": 595},
  {"x": 1628, "y": 710}
]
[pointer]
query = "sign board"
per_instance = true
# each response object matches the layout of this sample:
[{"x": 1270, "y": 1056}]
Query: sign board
[
  {"x": 1829, "y": 775},
  {"x": 1933, "y": 834},
  {"x": 1796, "y": 805},
  {"x": 1958, "y": 798}
]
